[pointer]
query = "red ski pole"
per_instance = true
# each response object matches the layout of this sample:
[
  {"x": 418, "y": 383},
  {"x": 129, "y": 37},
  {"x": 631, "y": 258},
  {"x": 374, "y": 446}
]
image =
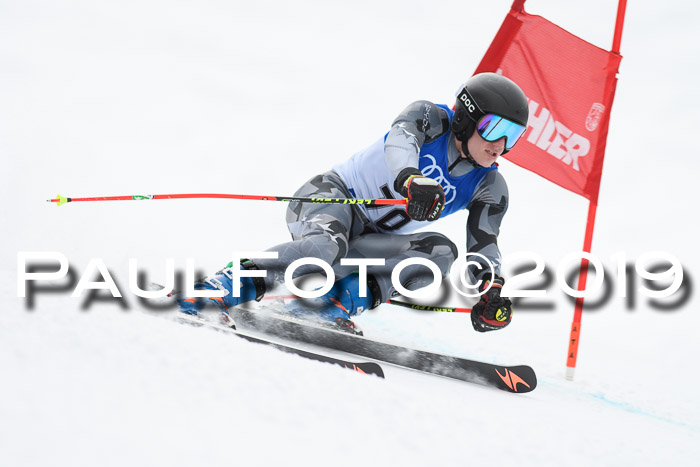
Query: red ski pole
[
  {"x": 447, "y": 309},
  {"x": 60, "y": 200}
]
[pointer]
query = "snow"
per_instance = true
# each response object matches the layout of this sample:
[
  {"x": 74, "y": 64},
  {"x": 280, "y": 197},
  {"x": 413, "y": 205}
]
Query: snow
[{"x": 167, "y": 97}]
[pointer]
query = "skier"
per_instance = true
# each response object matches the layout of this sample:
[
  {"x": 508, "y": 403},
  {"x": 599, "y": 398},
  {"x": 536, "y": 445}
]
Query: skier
[{"x": 442, "y": 161}]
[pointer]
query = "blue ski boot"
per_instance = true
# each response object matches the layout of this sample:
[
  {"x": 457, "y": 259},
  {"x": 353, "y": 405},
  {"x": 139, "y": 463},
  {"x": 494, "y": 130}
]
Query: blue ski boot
[
  {"x": 337, "y": 306},
  {"x": 251, "y": 288}
]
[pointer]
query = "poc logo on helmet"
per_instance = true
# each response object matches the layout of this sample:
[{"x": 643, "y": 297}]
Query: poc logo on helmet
[{"x": 467, "y": 102}]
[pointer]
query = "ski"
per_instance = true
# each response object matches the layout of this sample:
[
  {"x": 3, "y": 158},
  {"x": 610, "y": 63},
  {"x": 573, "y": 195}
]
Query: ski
[
  {"x": 369, "y": 368},
  {"x": 516, "y": 379}
]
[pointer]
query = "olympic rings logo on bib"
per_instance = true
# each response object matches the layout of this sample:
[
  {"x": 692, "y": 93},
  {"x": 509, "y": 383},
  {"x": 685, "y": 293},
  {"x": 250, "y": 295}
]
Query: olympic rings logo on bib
[{"x": 450, "y": 191}]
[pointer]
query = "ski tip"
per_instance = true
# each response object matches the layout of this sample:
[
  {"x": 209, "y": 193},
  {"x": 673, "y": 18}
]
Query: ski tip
[
  {"x": 369, "y": 368},
  {"x": 520, "y": 379}
]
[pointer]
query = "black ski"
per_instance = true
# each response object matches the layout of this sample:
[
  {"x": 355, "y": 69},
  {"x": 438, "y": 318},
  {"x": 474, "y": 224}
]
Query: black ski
[
  {"x": 519, "y": 378},
  {"x": 369, "y": 368}
]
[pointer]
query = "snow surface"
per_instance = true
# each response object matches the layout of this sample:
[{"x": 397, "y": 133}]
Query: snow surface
[{"x": 141, "y": 97}]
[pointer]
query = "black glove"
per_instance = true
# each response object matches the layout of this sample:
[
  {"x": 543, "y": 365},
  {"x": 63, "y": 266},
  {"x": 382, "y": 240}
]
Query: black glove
[
  {"x": 426, "y": 198},
  {"x": 491, "y": 312}
]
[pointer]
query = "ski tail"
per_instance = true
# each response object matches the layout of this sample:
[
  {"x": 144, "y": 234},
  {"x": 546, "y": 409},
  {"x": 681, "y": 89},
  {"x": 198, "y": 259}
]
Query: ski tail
[{"x": 368, "y": 368}]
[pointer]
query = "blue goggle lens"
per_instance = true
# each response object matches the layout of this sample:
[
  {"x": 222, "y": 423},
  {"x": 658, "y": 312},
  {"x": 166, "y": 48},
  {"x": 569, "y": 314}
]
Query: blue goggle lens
[{"x": 492, "y": 128}]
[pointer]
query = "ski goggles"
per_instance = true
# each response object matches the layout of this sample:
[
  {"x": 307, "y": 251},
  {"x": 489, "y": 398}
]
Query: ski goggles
[{"x": 492, "y": 128}]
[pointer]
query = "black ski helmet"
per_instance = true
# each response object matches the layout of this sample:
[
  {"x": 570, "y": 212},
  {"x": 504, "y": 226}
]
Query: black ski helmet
[{"x": 487, "y": 93}]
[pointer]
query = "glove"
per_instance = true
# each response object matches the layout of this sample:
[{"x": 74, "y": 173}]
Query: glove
[
  {"x": 426, "y": 198},
  {"x": 491, "y": 312}
]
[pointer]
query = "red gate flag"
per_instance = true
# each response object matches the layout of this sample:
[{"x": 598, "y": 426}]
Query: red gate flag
[{"x": 570, "y": 85}]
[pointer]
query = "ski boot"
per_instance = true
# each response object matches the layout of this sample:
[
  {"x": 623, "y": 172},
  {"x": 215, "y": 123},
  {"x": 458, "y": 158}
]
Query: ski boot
[
  {"x": 335, "y": 308},
  {"x": 251, "y": 288}
]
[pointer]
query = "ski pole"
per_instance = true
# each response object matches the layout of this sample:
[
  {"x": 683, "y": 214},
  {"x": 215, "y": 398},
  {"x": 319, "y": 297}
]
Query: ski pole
[
  {"x": 60, "y": 200},
  {"x": 392, "y": 302},
  {"x": 446, "y": 309}
]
